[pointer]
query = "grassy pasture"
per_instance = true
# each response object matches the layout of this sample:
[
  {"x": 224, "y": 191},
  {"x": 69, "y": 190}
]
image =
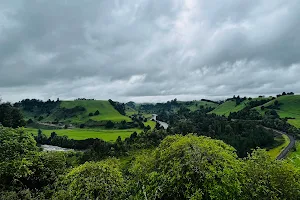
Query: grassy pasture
[
  {"x": 230, "y": 106},
  {"x": 289, "y": 107},
  {"x": 196, "y": 105},
  {"x": 81, "y": 134},
  {"x": 107, "y": 111},
  {"x": 150, "y": 123}
]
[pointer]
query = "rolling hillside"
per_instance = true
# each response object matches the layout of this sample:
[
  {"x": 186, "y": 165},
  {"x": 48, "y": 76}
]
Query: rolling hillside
[
  {"x": 194, "y": 105},
  {"x": 107, "y": 111},
  {"x": 289, "y": 106},
  {"x": 78, "y": 111},
  {"x": 230, "y": 106}
]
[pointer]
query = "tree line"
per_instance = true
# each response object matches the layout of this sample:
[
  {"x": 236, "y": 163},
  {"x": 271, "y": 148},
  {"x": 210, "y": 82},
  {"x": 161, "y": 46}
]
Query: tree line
[{"x": 179, "y": 167}]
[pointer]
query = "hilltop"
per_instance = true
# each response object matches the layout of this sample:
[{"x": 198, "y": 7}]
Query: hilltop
[
  {"x": 75, "y": 112},
  {"x": 286, "y": 106},
  {"x": 237, "y": 104}
]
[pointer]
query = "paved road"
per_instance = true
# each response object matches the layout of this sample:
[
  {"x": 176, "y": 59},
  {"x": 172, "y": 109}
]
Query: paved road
[{"x": 287, "y": 149}]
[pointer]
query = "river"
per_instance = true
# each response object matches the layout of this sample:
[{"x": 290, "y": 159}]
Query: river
[
  {"x": 163, "y": 124},
  {"x": 54, "y": 148}
]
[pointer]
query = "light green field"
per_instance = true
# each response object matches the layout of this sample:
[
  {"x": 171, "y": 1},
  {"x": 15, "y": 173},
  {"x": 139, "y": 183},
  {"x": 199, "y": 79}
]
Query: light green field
[
  {"x": 290, "y": 107},
  {"x": 277, "y": 150},
  {"x": 107, "y": 111},
  {"x": 150, "y": 123},
  {"x": 81, "y": 134},
  {"x": 130, "y": 111},
  {"x": 196, "y": 105},
  {"x": 294, "y": 156},
  {"x": 230, "y": 106}
]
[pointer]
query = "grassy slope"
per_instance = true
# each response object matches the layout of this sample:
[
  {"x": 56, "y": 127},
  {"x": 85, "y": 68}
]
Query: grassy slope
[
  {"x": 294, "y": 157},
  {"x": 290, "y": 107},
  {"x": 81, "y": 134},
  {"x": 284, "y": 140},
  {"x": 150, "y": 123},
  {"x": 230, "y": 106},
  {"x": 196, "y": 105},
  {"x": 107, "y": 111}
]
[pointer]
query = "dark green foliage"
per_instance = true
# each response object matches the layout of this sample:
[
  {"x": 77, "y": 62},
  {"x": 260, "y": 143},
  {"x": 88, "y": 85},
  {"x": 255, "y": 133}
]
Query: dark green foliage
[
  {"x": 37, "y": 106},
  {"x": 120, "y": 107},
  {"x": 243, "y": 135},
  {"x": 190, "y": 167},
  {"x": 256, "y": 103},
  {"x": 264, "y": 178},
  {"x": 30, "y": 121},
  {"x": 91, "y": 114},
  {"x": 246, "y": 114},
  {"x": 102, "y": 180},
  {"x": 109, "y": 124},
  {"x": 10, "y": 116},
  {"x": 64, "y": 113},
  {"x": 207, "y": 100},
  {"x": 97, "y": 113},
  {"x": 182, "y": 167},
  {"x": 40, "y": 118},
  {"x": 281, "y": 125}
]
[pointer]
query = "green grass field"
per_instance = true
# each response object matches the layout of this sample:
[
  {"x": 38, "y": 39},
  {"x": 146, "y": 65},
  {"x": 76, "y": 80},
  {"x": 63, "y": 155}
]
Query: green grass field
[
  {"x": 289, "y": 107},
  {"x": 294, "y": 156},
  {"x": 284, "y": 141},
  {"x": 196, "y": 105},
  {"x": 81, "y": 134},
  {"x": 107, "y": 111},
  {"x": 150, "y": 123},
  {"x": 230, "y": 106}
]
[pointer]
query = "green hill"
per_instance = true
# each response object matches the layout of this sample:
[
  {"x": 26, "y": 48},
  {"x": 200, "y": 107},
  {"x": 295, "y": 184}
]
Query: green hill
[
  {"x": 194, "y": 105},
  {"x": 75, "y": 112},
  {"x": 107, "y": 111},
  {"x": 288, "y": 106},
  {"x": 230, "y": 106}
]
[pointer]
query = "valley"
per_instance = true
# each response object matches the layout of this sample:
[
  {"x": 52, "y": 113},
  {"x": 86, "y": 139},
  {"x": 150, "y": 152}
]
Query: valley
[{"x": 243, "y": 133}]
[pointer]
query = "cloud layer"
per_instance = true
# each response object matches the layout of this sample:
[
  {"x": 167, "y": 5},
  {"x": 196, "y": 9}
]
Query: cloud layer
[{"x": 146, "y": 50}]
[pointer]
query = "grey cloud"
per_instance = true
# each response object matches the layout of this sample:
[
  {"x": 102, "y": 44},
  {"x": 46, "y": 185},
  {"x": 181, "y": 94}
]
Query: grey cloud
[{"x": 148, "y": 50}]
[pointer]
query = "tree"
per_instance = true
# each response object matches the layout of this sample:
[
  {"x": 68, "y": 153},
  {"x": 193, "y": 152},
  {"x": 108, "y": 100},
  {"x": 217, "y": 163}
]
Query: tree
[
  {"x": 187, "y": 167},
  {"x": 147, "y": 128},
  {"x": 109, "y": 124},
  {"x": 30, "y": 121},
  {"x": 91, "y": 114},
  {"x": 10, "y": 116},
  {"x": 101, "y": 180},
  {"x": 82, "y": 126},
  {"x": 16, "y": 145},
  {"x": 265, "y": 178},
  {"x": 97, "y": 113}
]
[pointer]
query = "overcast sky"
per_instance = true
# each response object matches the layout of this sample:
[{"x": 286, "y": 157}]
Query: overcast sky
[{"x": 148, "y": 50}]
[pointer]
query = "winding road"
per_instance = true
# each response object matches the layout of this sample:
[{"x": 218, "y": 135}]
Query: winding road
[{"x": 287, "y": 149}]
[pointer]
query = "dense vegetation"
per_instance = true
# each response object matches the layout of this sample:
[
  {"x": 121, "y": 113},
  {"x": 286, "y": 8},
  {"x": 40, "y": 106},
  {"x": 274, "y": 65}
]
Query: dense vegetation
[
  {"x": 10, "y": 116},
  {"x": 181, "y": 167},
  {"x": 222, "y": 159},
  {"x": 242, "y": 135}
]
